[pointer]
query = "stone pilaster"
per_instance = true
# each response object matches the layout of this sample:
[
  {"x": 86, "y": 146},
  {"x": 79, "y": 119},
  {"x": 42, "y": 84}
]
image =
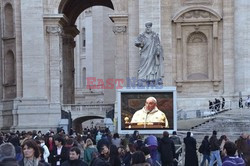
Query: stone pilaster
[
  {"x": 228, "y": 48},
  {"x": 133, "y": 23},
  {"x": 241, "y": 36},
  {"x": 121, "y": 55},
  {"x": 54, "y": 59}
]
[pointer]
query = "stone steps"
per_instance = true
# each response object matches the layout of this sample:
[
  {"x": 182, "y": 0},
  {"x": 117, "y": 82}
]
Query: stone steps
[{"x": 231, "y": 123}]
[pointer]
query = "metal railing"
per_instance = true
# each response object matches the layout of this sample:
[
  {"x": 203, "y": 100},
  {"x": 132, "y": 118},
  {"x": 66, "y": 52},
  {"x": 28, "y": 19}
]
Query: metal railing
[
  {"x": 83, "y": 107},
  {"x": 209, "y": 112}
]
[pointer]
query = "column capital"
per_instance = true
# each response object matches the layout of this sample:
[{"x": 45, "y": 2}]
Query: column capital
[
  {"x": 53, "y": 29},
  {"x": 119, "y": 29}
]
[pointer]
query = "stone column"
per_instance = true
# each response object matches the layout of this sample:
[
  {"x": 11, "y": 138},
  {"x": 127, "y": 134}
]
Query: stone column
[
  {"x": 121, "y": 55},
  {"x": 228, "y": 47},
  {"x": 68, "y": 88}
]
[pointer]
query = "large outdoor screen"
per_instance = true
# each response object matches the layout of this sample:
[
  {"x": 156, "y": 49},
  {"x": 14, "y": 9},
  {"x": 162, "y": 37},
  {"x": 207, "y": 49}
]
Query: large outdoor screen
[{"x": 162, "y": 118}]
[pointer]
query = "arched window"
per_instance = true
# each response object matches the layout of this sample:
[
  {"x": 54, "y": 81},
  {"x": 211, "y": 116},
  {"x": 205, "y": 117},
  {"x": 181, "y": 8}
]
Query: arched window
[
  {"x": 197, "y": 56},
  {"x": 9, "y": 68},
  {"x": 8, "y": 21},
  {"x": 83, "y": 37}
]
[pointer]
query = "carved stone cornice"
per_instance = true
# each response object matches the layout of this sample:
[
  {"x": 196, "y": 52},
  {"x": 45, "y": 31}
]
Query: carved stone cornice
[
  {"x": 119, "y": 29},
  {"x": 53, "y": 30}
]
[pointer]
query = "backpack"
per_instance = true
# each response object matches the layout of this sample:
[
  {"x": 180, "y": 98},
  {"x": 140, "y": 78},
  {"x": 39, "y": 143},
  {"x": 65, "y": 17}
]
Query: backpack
[{"x": 201, "y": 148}]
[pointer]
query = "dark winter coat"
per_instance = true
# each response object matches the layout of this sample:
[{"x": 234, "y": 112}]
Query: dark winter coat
[
  {"x": 206, "y": 147},
  {"x": 74, "y": 163},
  {"x": 167, "y": 150},
  {"x": 63, "y": 157},
  {"x": 191, "y": 158},
  {"x": 100, "y": 161},
  {"x": 214, "y": 143}
]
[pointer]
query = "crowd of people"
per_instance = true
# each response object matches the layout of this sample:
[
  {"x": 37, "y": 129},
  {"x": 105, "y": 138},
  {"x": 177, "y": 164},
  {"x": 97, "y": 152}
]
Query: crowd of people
[
  {"x": 101, "y": 148},
  {"x": 217, "y": 104}
]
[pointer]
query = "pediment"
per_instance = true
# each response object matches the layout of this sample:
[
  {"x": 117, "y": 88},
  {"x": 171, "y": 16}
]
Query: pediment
[{"x": 197, "y": 14}]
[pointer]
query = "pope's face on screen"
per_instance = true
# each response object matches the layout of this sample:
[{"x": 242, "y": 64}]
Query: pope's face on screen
[{"x": 150, "y": 104}]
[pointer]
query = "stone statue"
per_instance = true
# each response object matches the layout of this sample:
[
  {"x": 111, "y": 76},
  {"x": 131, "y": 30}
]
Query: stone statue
[{"x": 151, "y": 56}]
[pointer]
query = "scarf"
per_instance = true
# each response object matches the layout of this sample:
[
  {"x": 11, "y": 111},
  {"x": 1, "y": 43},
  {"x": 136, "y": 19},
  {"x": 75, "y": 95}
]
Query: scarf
[{"x": 30, "y": 162}]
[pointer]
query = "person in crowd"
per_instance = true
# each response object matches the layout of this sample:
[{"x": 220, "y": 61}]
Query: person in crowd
[
  {"x": 152, "y": 143},
  {"x": 74, "y": 158},
  {"x": 223, "y": 103},
  {"x": 98, "y": 136},
  {"x": 50, "y": 143},
  {"x": 81, "y": 145},
  {"x": 59, "y": 154},
  {"x": 240, "y": 102},
  {"x": 41, "y": 158},
  {"x": 69, "y": 143},
  {"x": 177, "y": 144},
  {"x": 26, "y": 136},
  {"x": 128, "y": 154},
  {"x": 191, "y": 158},
  {"x": 122, "y": 152},
  {"x": 223, "y": 139},
  {"x": 243, "y": 147},
  {"x": 139, "y": 143},
  {"x": 215, "y": 149},
  {"x": 103, "y": 158},
  {"x": 46, "y": 152},
  {"x": 138, "y": 159},
  {"x": 248, "y": 101},
  {"x": 114, "y": 159},
  {"x": 125, "y": 140},
  {"x": 231, "y": 159},
  {"x": 7, "y": 155},
  {"x": 210, "y": 103},
  {"x": 31, "y": 154},
  {"x": 89, "y": 151},
  {"x": 205, "y": 150},
  {"x": 116, "y": 140},
  {"x": 167, "y": 150},
  {"x": 148, "y": 158},
  {"x": 16, "y": 142},
  {"x": 134, "y": 136}
]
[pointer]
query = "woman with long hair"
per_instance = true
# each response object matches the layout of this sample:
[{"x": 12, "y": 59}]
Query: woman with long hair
[{"x": 31, "y": 154}]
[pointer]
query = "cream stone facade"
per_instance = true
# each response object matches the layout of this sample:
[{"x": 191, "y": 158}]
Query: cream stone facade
[{"x": 51, "y": 47}]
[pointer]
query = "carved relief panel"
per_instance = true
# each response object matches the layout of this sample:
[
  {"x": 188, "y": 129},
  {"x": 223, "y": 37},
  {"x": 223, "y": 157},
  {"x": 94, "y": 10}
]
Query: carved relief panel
[{"x": 197, "y": 54}]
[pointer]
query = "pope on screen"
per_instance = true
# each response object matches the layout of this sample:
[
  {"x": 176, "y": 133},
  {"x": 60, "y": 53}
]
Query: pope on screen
[{"x": 150, "y": 114}]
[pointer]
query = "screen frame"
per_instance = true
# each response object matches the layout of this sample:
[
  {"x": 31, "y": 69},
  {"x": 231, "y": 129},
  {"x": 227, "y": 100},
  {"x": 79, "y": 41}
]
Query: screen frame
[{"x": 168, "y": 89}]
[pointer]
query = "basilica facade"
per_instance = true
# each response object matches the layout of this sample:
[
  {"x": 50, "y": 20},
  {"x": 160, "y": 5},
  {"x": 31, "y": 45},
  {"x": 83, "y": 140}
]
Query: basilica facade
[{"x": 58, "y": 54}]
